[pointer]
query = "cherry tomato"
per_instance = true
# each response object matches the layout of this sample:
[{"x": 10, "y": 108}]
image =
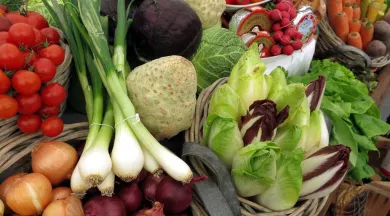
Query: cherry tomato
[
  {"x": 26, "y": 82},
  {"x": 52, "y": 35},
  {"x": 29, "y": 58},
  {"x": 8, "y": 107},
  {"x": 29, "y": 104},
  {"x": 22, "y": 34},
  {"x": 243, "y": 2},
  {"x": 45, "y": 69},
  {"x": 53, "y": 94},
  {"x": 4, "y": 8},
  {"x": 36, "y": 20},
  {"x": 54, "y": 53},
  {"x": 3, "y": 37},
  {"x": 231, "y": 2},
  {"x": 5, "y": 83},
  {"x": 15, "y": 17},
  {"x": 47, "y": 111},
  {"x": 29, "y": 123},
  {"x": 39, "y": 40},
  {"x": 5, "y": 24},
  {"x": 10, "y": 57},
  {"x": 52, "y": 126}
]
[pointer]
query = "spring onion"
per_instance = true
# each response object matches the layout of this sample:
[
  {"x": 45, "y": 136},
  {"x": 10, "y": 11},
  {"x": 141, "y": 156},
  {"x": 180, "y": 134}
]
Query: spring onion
[{"x": 107, "y": 186}]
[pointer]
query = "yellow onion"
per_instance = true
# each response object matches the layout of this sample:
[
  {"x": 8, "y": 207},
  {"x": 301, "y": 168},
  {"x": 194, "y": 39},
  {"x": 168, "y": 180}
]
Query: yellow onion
[
  {"x": 61, "y": 193},
  {"x": 71, "y": 206}
]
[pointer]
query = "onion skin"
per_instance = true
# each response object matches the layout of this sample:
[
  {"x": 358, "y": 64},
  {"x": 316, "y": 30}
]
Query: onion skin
[
  {"x": 5, "y": 186},
  {"x": 156, "y": 210},
  {"x": 149, "y": 186},
  {"x": 30, "y": 194},
  {"x": 104, "y": 206},
  {"x": 71, "y": 206},
  {"x": 61, "y": 193},
  {"x": 131, "y": 196},
  {"x": 175, "y": 196},
  {"x": 55, "y": 160}
]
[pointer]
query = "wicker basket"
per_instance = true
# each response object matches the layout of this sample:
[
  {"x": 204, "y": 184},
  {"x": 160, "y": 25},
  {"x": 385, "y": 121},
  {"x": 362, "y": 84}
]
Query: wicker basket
[
  {"x": 8, "y": 127},
  {"x": 328, "y": 43},
  {"x": 248, "y": 208}
]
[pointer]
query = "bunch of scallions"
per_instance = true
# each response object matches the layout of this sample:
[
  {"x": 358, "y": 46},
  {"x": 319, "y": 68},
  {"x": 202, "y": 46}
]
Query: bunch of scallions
[{"x": 109, "y": 109}]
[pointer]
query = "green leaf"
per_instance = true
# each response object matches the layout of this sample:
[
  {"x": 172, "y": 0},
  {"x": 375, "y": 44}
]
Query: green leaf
[
  {"x": 288, "y": 137},
  {"x": 284, "y": 192},
  {"x": 218, "y": 52},
  {"x": 254, "y": 168},
  {"x": 340, "y": 109},
  {"x": 362, "y": 170},
  {"x": 13, "y": 5},
  {"x": 370, "y": 126},
  {"x": 374, "y": 111},
  {"x": 226, "y": 103},
  {"x": 364, "y": 143},
  {"x": 278, "y": 77},
  {"x": 223, "y": 137}
]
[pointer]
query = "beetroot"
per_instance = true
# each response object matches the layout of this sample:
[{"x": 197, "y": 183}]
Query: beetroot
[
  {"x": 276, "y": 27},
  {"x": 276, "y": 50},
  {"x": 164, "y": 28},
  {"x": 286, "y": 40},
  {"x": 288, "y": 50},
  {"x": 278, "y": 35},
  {"x": 276, "y": 15},
  {"x": 297, "y": 44}
]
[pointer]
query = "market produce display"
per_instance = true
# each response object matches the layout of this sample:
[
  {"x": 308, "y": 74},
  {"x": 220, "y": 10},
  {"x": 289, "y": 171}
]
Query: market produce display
[
  {"x": 30, "y": 53},
  {"x": 273, "y": 136},
  {"x": 356, "y": 118},
  {"x": 362, "y": 24}
]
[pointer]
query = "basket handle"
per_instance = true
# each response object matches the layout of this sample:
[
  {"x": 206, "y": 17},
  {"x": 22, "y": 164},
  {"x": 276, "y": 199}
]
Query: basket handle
[
  {"x": 347, "y": 48},
  {"x": 218, "y": 199}
]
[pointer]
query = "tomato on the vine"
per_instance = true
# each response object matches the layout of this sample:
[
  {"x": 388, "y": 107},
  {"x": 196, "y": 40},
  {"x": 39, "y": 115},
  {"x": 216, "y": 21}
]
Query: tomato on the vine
[
  {"x": 4, "y": 37},
  {"x": 29, "y": 58},
  {"x": 39, "y": 40},
  {"x": 15, "y": 17},
  {"x": 29, "y": 104},
  {"x": 53, "y": 94},
  {"x": 36, "y": 20},
  {"x": 8, "y": 107},
  {"x": 5, "y": 82},
  {"x": 52, "y": 126},
  {"x": 10, "y": 57},
  {"x": 53, "y": 52},
  {"x": 26, "y": 82},
  {"x": 48, "y": 111},
  {"x": 52, "y": 35},
  {"x": 45, "y": 69},
  {"x": 22, "y": 34},
  {"x": 29, "y": 123},
  {"x": 4, "y": 8}
]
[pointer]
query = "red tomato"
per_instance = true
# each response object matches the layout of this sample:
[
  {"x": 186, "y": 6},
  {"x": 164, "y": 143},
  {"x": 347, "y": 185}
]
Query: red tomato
[
  {"x": 15, "y": 17},
  {"x": 36, "y": 20},
  {"x": 231, "y": 2},
  {"x": 29, "y": 104},
  {"x": 29, "y": 58},
  {"x": 39, "y": 40},
  {"x": 4, "y": 8},
  {"x": 26, "y": 82},
  {"x": 51, "y": 35},
  {"x": 243, "y": 2},
  {"x": 5, "y": 83},
  {"x": 52, "y": 126},
  {"x": 10, "y": 57},
  {"x": 22, "y": 34},
  {"x": 53, "y": 94},
  {"x": 8, "y": 107},
  {"x": 3, "y": 37},
  {"x": 45, "y": 69},
  {"x": 47, "y": 111},
  {"x": 54, "y": 53},
  {"x": 29, "y": 123}
]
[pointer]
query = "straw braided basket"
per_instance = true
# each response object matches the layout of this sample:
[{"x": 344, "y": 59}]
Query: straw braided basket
[
  {"x": 248, "y": 208},
  {"x": 8, "y": 127},
  {"x": 328, "y": 42}
]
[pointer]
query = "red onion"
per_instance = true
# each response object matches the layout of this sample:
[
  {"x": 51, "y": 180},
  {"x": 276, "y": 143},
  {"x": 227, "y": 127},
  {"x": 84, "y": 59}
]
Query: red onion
[
  {"x": 104, "y": 206},
  {"x": 149, "y": 186},
  {"x": 156, "y": 210},
  {"x": 131, "y": 196},
  {"x": 175, "y": 195},
  {"x": 142, "y": 175}
]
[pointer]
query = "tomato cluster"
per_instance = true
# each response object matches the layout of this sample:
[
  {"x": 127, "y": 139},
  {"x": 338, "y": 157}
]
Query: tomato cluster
[
  {"x": 241, "y": 2},
  {"x": 29, "y": 55}
]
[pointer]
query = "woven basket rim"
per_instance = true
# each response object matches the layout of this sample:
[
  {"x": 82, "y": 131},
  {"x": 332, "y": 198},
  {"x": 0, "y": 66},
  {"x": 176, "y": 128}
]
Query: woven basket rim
[{"x": 248, "y": 208}]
